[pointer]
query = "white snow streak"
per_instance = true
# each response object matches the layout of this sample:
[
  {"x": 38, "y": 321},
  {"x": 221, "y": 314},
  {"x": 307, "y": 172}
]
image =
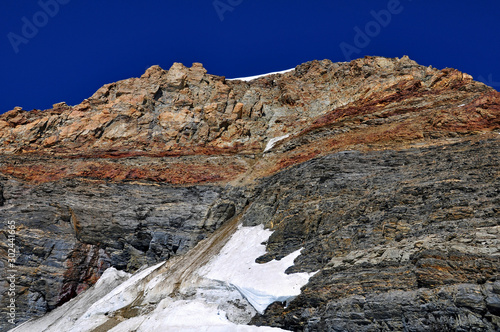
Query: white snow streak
[
  {"x": 273, "y": 141},
  {"x": 250, "y": 78}
]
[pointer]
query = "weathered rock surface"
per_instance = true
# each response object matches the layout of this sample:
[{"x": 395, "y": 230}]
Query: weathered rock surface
[
  {"x": 402, "y": 239},
  {"x": 365, "y": 104},
  {"x": 387, "y": 174},
  {"x": 69, "y": 232}
]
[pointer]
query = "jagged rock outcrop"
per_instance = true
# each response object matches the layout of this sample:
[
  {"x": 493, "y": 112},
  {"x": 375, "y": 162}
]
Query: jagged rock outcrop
[{"x": 384, "y": 171}]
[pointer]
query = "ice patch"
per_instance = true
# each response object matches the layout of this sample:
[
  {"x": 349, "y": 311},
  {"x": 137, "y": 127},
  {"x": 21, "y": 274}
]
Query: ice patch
[
  {"x": 250, "y": 78},
  {"x": 273, "y": 141}
]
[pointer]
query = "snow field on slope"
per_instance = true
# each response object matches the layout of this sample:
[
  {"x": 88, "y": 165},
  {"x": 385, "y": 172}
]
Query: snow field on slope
[
  {"x": 222, "y": 297},
  {"x": 261, "y": 284}
]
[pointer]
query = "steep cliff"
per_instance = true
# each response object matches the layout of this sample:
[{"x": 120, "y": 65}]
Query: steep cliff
[{"x": 385, "y": 172}]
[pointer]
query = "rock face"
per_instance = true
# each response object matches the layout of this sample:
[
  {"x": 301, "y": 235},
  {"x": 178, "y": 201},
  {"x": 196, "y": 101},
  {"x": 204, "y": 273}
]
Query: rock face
[
  {"x": 69, "y": 232},
  {"x": 399, "y": 238},
  {"x": 387, "y": 173}
]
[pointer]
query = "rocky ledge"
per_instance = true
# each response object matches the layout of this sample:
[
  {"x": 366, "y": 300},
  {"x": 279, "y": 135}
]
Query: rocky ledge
[{"x": 385, "y": 172}]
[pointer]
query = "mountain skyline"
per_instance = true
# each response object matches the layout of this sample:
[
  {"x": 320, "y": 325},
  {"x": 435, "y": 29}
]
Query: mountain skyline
[
  {"x": 371, "y": 187},
  {"x": 63, "y": 50}
]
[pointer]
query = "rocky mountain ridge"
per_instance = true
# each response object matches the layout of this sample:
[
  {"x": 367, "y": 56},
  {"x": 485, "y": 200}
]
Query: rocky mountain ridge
[{"x": 384, "y": 171}]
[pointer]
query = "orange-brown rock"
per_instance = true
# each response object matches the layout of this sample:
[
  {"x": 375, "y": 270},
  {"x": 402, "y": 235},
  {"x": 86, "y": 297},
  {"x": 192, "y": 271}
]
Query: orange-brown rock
[
  {"x": 385, "y": 172},
  {"x": 370, "y": 103}
]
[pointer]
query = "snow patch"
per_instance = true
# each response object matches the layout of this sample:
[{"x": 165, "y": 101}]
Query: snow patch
[
  {"x": 260, "y": 284},
  {"x": 186, "y": 316},
  {"x": 250, "y": 78},
  {"x": 122, "y": 295},
  {"x": 273, "y": 141},
  {"x": 64, "y": 317},
  {"x": 221, "y": 296},
  {"x": 111, "y": 275}
]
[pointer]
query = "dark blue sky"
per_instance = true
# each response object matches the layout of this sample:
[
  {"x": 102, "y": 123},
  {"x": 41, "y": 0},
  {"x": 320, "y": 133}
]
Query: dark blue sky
[{"x": 64, "y": 50}]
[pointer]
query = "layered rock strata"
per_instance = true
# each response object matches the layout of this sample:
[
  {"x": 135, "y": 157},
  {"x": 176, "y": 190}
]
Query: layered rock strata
[{"x": 384, "y": 171}]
